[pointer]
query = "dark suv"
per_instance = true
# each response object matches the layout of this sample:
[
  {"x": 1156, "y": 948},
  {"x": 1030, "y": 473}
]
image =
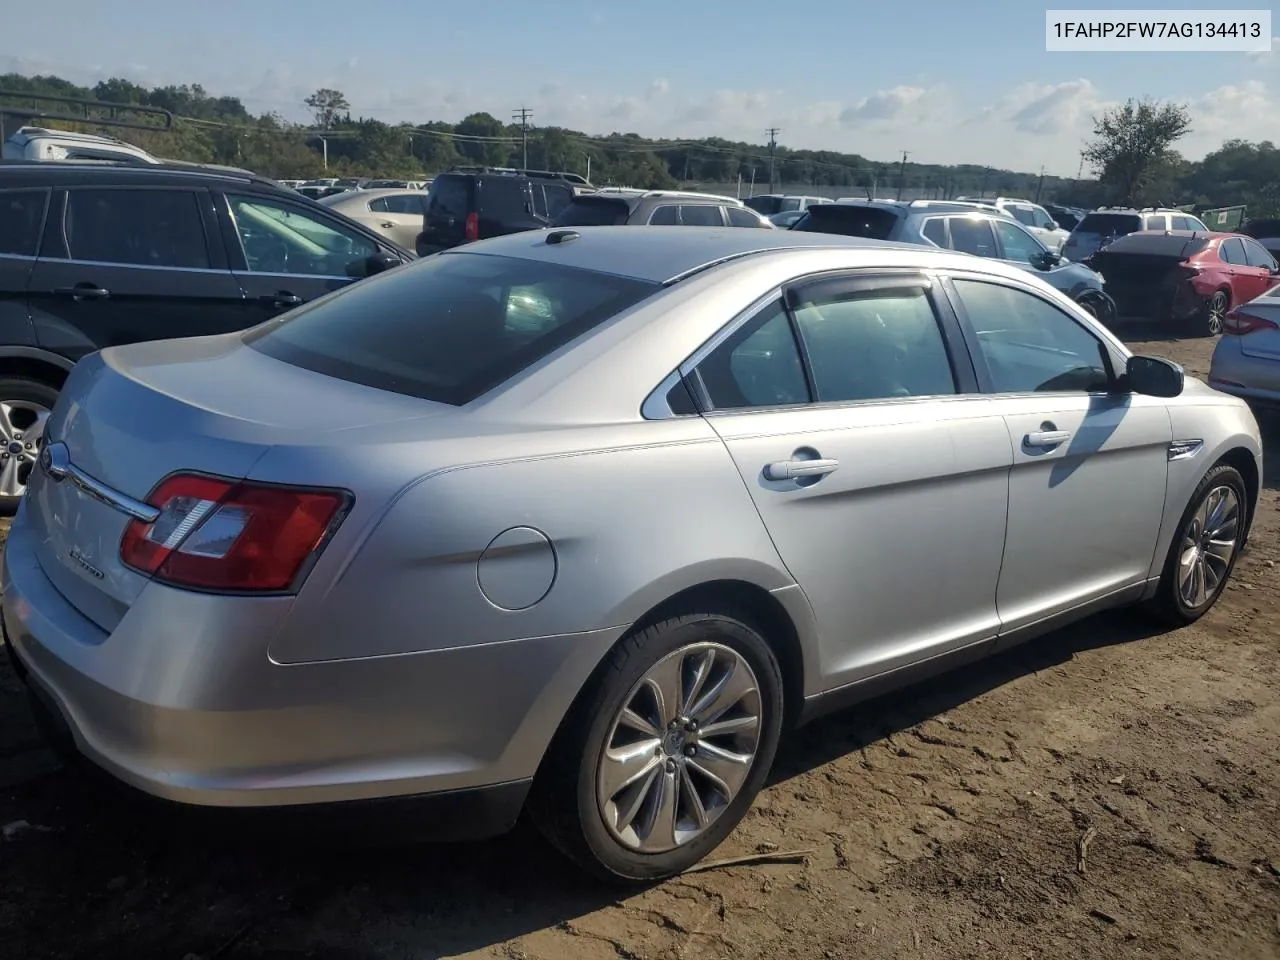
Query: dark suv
[
  {"x": 467, "y": 205},
  {"x": 618, "y": 207},
  {"x": 97, "y": 255}
]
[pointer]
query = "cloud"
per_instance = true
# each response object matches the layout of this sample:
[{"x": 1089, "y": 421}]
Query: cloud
[
  {"x": 884, "y": 105},
  {"x": 659, "y": 88},
  {"x": 1257, "y": 55},
  {"x": 1235, "y": 111},
  {"x": 1048, "y": 109}
]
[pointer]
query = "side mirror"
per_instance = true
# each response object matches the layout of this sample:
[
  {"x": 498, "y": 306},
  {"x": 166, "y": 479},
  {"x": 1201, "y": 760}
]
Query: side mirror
[
  {"x": 379, "y": 262},
  {"x": 1045, "y": 261},
  {"x": 1154, "y": 377}
]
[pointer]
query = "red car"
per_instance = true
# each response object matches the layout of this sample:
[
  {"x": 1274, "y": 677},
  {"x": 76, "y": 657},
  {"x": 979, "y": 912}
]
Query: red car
[{"x": 1185, "y": 279}]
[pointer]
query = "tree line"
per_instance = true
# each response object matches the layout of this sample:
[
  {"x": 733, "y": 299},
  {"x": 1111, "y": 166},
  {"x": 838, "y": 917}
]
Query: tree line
[{"x": 1132, "y": 151}]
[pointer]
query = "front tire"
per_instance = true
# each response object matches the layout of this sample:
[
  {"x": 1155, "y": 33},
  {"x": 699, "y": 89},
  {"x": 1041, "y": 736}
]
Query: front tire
[
  {"x": 25, "y": 405},
  {"x": 665, "y": 750},
  {"x": 1204, "y": 548},
  {"x": 1213, "y": 316}
]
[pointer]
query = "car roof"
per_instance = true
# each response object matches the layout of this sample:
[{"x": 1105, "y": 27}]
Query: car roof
[
  {"x": 348, "y": 195},
  {"x": 658, "y": 254},
  {"x": 67, "y": 172}
]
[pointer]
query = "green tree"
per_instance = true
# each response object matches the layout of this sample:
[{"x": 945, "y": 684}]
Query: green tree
[
  {"x": 328, "y": 106},
  {"x": 1131, "y": 142},
  {"x": 491, "y": 148}
]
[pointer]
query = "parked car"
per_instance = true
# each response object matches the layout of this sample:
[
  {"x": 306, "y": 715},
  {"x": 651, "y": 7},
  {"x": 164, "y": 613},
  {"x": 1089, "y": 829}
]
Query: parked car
[
  {"x": 787, "y": 219},
  {"x": 1184, "y": 279},
  {"x": 966, "y": 228},
  {"x": 466, "y": 205},
  {"x": 1032, "y": 216},
  {"x": 95, "y": 255},
  {"x": 41, "y": 143},
  {"x": 1105, "y": 224},
  {"x": 395, "y": 214},
  {"x": 768, "y": 204},
  {"x": 1246, "y": 360},
  {"x": 594, "y": 556},
  {"x": 1068, "y": 218},
  {"x": 616, "y": 207},
  {"x": 1266, "y": 231}
]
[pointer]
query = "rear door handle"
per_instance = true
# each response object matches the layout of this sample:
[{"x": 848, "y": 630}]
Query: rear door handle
[
  {"x": 83, "y": 291},
  {"x": 386, "y": 224},
  {"x": 795, "y": 469},
  {"x": 282, "y": 299},
  {"x": 1047, "y": 438}
]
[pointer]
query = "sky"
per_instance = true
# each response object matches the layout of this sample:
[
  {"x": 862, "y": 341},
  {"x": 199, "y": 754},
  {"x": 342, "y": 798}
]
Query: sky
[{"x": 948, "y": 82}]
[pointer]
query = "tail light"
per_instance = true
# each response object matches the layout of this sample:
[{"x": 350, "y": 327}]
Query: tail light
[
  {"x": 473, "y": 226},
  {"x": 216, "y": 534},
  {"x": 1237, "y": 323}
]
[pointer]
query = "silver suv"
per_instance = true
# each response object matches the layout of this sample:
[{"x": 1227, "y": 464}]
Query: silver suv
[{"x": 1105, "y": 224}]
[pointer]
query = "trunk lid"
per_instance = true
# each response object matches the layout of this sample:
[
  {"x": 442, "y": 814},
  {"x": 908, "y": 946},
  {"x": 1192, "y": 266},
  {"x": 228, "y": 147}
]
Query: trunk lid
[
  {"x": 1264, "y": 344},
  {"x": 1144, "y": 273},
  {"x": 130, "y": 416}
]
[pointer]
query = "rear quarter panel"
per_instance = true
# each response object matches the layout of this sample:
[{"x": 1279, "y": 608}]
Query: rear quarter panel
[{"x": 631, "y": 523}]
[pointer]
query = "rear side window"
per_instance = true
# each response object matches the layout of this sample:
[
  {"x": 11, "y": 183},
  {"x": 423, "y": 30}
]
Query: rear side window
[
  {"x": 449, "y": 328},
  {"x": 973, "y": 235},
  {"x": 1158, "y": 222},
  {"x": 1184, "y": 223},
  {"x": 402, "y": 203},
  {"x": 503, "y": 197},
  {"x": 935, "y": 230},
  {"x": 849, "y": 221},
  {"x": 757, "y": 366},
  {"x": 767, "y": 206},
  {"x": 739, "y": 217},
  {"x": 667, "y": 215},
  {"x": 450, "y": 196},
  {"x": 1116, "y": 224},
  {"x": 701, "y": 215},
  {"x": 594, "y": 212},
  {"x": 555, "y": 198},
  {"x": 151, "y": 228},
  {"x": 21, "y": 220},
  {"x": 1232, "y": 251}
]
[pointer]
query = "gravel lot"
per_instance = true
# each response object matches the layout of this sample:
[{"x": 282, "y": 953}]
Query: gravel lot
[{"x": 944, "y": 822}]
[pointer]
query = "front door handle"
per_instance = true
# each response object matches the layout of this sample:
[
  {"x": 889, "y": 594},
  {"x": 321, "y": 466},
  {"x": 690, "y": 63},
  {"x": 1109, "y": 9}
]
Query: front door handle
[
  {"x": 386, "y": 224},
  {"x": 282, "y": 299},
  {"x": 83, "y": 291},
  {"x": 796, "y": 469},
  {"x": 1047, "y": 438}
]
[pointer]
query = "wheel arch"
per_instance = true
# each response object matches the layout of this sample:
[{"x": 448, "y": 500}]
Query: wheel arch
[
  {"x": 1244, "y": 461},
  {"x": 35, "y": 364}
]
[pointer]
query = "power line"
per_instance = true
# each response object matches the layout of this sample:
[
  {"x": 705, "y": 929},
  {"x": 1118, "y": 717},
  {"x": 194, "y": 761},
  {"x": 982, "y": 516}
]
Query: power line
[
  {"x": 523, "y": 114},
  {"x": 773, "y": 143}
]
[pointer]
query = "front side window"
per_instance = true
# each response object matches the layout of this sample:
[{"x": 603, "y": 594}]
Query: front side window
[
  {"x": 448, "y": 328},
  {"x": 757, "y": 366},
  {"x": 280, "y": 238},
  {"x": 150, "y": 228},
  {"x": 875, "y": 345},
  {"x": 1017, "y": 244},
  {"x": 1029, "y": 345},
  {"x": 1024, "y": 215},
  {"x": 1157, "y": 222},
  {"x": 21, "y": 218},
  {"x": 1232, "y": 251},
  {"x": 1256, "y": 256},
  {"x": 667, "y": 215}
]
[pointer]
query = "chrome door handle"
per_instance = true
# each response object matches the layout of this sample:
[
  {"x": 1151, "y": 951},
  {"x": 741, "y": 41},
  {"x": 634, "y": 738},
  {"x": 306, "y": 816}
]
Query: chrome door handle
[
  {"x": 795, "y": 469},
  {"x": 386, "y": 224},
  {"x": 1047, "y": 438}
]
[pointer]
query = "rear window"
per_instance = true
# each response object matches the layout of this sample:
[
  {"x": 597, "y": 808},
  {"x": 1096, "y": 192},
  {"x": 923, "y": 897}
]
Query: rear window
[
  {"x": 594, "y": 212},
  {"x": 1117, "y": 224},
  {"x": 448, "y": 328},
  {"x": 503, "y": 197},
  {"x": 450, "y": 196},
  {"x": 849, "y": 221},
  {"x": 1158, "y": 245}
]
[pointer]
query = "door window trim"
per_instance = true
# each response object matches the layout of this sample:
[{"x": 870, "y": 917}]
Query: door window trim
[
  {"x": 1114, "y": 357},
  {"x": 213, "y": 241}
]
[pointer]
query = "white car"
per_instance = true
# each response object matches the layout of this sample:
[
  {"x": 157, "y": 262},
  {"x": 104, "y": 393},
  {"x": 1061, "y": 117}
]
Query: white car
[{"x": 1031, "y": 215}]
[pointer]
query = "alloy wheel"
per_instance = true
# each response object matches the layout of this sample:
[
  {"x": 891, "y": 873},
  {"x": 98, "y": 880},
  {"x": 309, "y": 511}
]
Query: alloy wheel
[
  {"x": 680, "y": 748},
  {"x": 1217, "y": 312},
  {"x": 1209, "y": 543},
  {"x": 22, "y": 424}
]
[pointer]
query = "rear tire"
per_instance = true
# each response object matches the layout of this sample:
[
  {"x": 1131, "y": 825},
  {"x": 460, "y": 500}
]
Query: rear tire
[
  {"x": 25, "y": 405},
  {"x": 1204, "y": 548},
  {"x": 1209, "y": 321},
  {"x": 623, "y": 766}
]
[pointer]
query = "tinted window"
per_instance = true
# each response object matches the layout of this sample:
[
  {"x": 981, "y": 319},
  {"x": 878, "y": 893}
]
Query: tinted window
[
  {"x": 155, "y": 228},
  {"x": 21, "y": 217},
  {"x": 593, "y": 212},
  {"x": 1183, "y": 223},
  {"x": 448, "y": 328},
  {"x": 701, "y": 215},
  {"x": 450, "y": 196},
  {"x": 875, "y": 345},
  {"x": 1102, "y": 224},
  {"x": 1030, "y": 345},
  {"x": 1017, "y": 244},
  {"x": 848, "y": 220},
  {"x": 1157, "y": 222},
  {"x": 503, "y": 198},
  {"x": 400, "y": 203},
  {"x": 765, "y": 205},
  {"x": 667, "y": 215},
  {"x": 1256, "y": 256},
  {"x": 1232, "y": 251},
  {"x": 281, "y": 238},
  {"x": 935, "y": 229},
  {"x": 557, "y": 198},
  {"x": 757, "y": 366},
  {"x": 739, "y": 217},
  {"x": 1023, "y": 215},
  {"x": 973, "y": 235}
]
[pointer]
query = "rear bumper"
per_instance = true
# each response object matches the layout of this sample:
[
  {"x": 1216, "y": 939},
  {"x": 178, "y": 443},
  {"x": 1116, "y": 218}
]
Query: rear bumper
[
  {"x": 182, "y": 702},
  {"x": 1255, "y": 380}
]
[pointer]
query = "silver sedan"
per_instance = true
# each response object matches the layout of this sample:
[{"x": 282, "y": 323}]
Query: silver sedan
[
  {"x": 582, "y": 519},
  {"x": 1246, "y": 360}
]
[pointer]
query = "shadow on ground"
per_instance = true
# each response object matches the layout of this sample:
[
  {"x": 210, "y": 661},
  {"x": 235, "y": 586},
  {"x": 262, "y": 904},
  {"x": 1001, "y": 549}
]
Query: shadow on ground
[{"x": 102, "y": 873}]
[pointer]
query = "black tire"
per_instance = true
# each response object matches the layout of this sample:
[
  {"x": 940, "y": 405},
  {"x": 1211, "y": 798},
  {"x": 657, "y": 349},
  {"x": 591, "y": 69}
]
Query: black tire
[
  {"x": 24, "y": 390},
  {"x": 1208, "y": 322},
  {"x": 563, "y": 802},
  {"x": 1168, "y": 605}
]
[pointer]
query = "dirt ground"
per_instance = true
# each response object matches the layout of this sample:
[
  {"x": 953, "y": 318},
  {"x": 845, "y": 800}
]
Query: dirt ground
[{"x": 943, "y": 822}]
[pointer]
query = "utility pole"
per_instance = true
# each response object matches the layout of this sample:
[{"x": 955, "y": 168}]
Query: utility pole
[
  {"x": 523, "y": 114},
  {"x": 902, "y": 173},
  {"x": 773, "y": 143},
  {"x": 1040, "y": 185}
]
